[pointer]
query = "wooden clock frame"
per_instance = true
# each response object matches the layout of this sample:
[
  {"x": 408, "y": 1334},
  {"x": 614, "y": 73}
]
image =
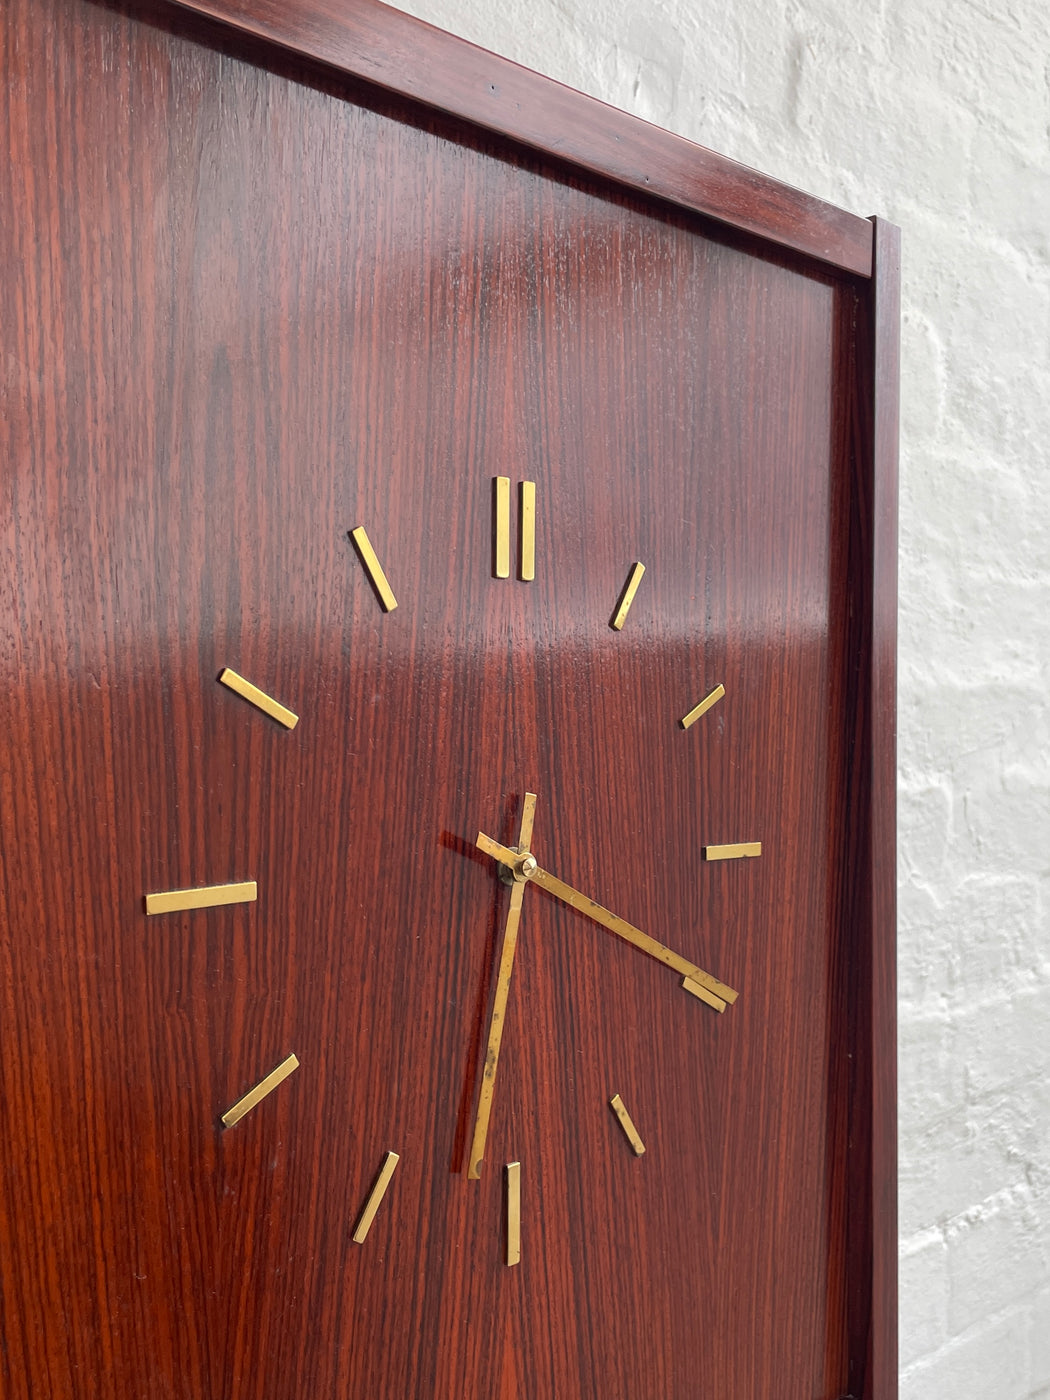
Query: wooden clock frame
[{"x": 426, "y": 68}]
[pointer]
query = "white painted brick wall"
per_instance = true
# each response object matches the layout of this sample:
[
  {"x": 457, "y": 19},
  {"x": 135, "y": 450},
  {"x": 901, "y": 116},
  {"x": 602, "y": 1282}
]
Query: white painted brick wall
[{"x": 936, "y": 114}]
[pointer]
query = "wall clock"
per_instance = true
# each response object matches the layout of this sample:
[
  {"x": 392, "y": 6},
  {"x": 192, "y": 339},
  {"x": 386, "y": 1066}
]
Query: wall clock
[{"x": 447, "y": 779}]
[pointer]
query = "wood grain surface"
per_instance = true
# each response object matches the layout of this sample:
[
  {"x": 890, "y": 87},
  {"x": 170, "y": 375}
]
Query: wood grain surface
[
  {"x": 248, "y": 305},
  {"x": 397, "y": 51}
]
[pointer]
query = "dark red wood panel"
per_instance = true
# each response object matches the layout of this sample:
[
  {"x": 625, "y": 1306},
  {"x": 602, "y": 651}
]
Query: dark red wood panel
[{"x": 246, "y": 307}]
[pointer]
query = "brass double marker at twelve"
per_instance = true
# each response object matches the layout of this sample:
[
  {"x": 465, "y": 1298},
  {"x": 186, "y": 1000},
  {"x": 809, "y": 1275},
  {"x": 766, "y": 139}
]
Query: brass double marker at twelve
[{"x": 521, "y": 867}]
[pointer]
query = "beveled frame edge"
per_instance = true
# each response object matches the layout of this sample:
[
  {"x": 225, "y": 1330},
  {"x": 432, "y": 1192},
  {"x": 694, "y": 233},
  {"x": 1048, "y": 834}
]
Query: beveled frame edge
[
  {"x": 886, "y": 290},
  {"x": 863, "y": 994},
  {"x": 368, "y": 40}
]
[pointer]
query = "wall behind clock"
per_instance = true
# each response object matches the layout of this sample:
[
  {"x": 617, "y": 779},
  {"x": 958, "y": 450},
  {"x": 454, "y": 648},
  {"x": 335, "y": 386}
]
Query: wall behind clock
[{"x": 936, "y": 114}]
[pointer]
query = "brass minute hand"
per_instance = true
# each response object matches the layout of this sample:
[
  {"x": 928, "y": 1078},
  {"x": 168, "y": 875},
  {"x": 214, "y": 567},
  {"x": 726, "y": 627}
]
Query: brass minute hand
[
  {"x": 499, "y": 1003},
  {"x": 523, "y": 867}
]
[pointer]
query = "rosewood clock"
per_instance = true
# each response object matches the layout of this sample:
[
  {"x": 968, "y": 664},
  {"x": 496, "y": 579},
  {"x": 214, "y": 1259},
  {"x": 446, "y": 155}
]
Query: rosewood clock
[{"x": 446, "y": 784}]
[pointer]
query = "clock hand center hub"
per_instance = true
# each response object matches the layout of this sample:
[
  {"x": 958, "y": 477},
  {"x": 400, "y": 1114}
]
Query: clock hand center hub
[{"x": 523, "y": 869}]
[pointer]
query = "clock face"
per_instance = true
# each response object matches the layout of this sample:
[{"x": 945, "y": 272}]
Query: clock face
[{"x": 668, "y": 398}]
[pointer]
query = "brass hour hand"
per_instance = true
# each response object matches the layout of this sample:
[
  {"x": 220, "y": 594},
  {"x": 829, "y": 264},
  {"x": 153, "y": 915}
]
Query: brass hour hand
[{"x": 523, "y": 867}]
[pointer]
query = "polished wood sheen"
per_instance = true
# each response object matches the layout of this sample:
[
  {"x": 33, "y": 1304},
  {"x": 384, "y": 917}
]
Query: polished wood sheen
[
  {"x": 249, "y": 302},
  {"x": 373, "y": 41}
]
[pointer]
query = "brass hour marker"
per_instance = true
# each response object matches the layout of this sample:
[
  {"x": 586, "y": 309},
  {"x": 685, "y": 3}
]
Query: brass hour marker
[
  {"x": 503, "y": 527},
  {"x": 704, "y": 705},
  {"x": 697, "y": 989},
  {"x": 737, "y": 852},
  {"x": 258, "y": 698},
  {"x": 375, "y": 1196},
  {"x": 513, "y": 1212},
  {"x": 627, "y": 1124},
  {"x": 256, "y": 1095},
  {"x": 373, "y": 568},
  {"x": 528, "y": 531},
  {"x": 630, "y": 588},
  {"x": 207, "y": 897}
]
